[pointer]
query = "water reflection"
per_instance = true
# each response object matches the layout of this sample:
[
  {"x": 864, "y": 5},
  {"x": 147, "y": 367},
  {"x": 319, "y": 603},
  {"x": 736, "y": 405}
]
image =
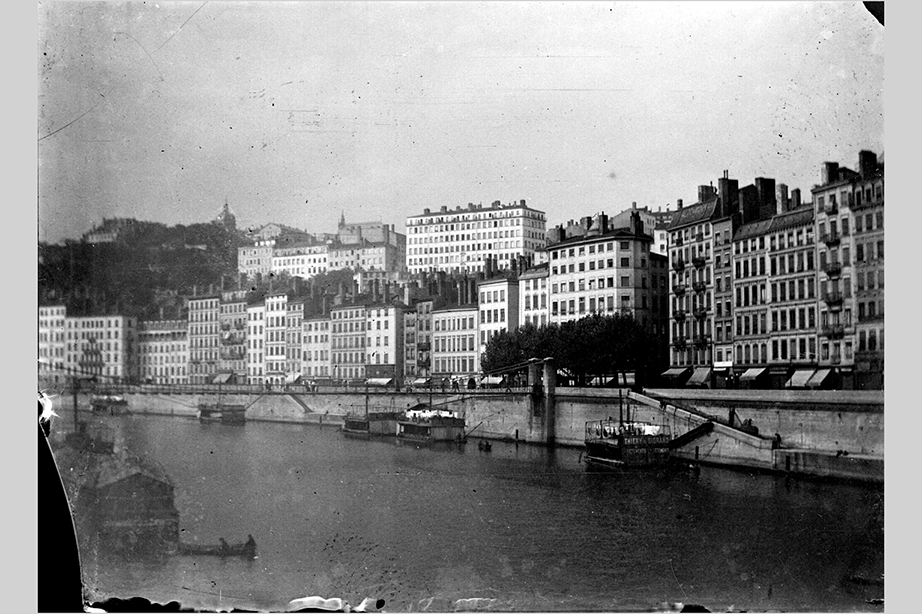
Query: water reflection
[{"x": 528, "y": 528}]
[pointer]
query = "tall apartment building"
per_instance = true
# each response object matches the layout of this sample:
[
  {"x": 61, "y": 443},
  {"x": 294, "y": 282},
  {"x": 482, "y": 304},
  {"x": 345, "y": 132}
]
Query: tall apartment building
[
  {"x": 849, "y": 219},
  {"x": 499, "y": 308},
  {"x": 608, "y": 271},
  {"x": 276, "y": 343},
  {"x": 384, "y": 347},
  {"x": 463, "y": 239},
  {"x": 256, "y": 343},
  {"x": 316, "y": 340},
  {"x": 52, "y": 344},
  {"x": 101, "y": 346},
  {"x": 455, "y": 351},
  {"x": 348, "y": 341},
  {"x": 410, "y": 353},
  {"x": 533, "y": 293},
  {"x": 294, "y": 317},
  {"x": 204, "y": 338},
  {"x": 232, "y": 317},
  {"x": 424, "y": 329},
  {"x": 163, "y": 351}
]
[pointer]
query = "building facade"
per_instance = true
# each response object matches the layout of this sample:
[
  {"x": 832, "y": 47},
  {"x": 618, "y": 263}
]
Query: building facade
[
  {"x": 385, "y": 342},
  {"x": 276, "y": 337},
  {"x": 455, "y": 351},
  {"x": 101, "y": 347},
  {"x": 232, "y": 318},
  {"x": 463, "y": 239},
  {"x": 849, "y": 218},
  {"x": 256, "y": 343},
  {"x": 52, "y": 344},
  {"x": 316, "y": 341},
  {"x": 204, "y": 338},
  {"x": 348, "y": 340},
  {"x": 499, "y": 308},
  {"x": 606, "y": 271},
  {"x": 533, "y": 293},
  {"x": 163, "y": 351}
]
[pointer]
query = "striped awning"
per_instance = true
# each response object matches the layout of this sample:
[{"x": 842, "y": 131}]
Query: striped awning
[
  {"x": 422, "y": 381},
  {"x": 702, "y": 375},
  {"x": 491, "y": 380},
  {"x": 800, "y": 378},
  {"x": 751, "y": 374},
  {"x": 222, "y": 378},
  {"x": 675, "y": 372},
  {"x": 292, "y": 378},
  {"x": 379, "y": 381},
  {"x": 818, "y": 378}
]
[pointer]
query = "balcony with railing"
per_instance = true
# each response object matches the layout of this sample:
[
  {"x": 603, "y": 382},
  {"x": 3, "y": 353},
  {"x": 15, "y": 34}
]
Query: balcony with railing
[
  {"x": 699, "y": 261},
  {"x": 678, "y": 289},
  {"x": 701, "y": 313},
  {"x": 702, "y": 342},
  {"x": 834, "y": 331},
  {"x": 678, "y": 264},
  {"x": 831, "y": 239},
  {"x": 830, "y": 206},
  {"x": 680, "y": 343},
  {"x": 423, "y": 346},
  {"x": 679, "y": 242},
  {"x": 833, "y": 269},
  {"x": 833, "y": 299},
  {"x": 679, "y": 315},
  {"x": 699, "y": 286}
]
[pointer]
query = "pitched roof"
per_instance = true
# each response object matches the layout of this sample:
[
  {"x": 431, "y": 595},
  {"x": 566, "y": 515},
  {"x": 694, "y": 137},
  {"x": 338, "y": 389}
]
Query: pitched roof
[{"x": 694, "y": 214}]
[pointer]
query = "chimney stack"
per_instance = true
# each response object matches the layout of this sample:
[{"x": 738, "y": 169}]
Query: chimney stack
[
  {"x": 867, "y": 164},
  {"x": 795, "y": 198},
  {"x": 830, "y": 172},
  {"x": 705, "y": 193},
  {"x": 679, "y": 204},
  {"x": 728, "y": 190},
  {"x": 766, "y": 189},
  {"x": 781, "y": 198},
  {"x": 749, "y": 204}
]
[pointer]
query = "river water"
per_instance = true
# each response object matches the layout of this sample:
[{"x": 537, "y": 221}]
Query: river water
[{"x": 521, "y": 528}]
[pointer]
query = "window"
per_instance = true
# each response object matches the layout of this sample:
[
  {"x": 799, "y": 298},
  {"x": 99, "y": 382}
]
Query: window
[{"x": 625, "y": 262}]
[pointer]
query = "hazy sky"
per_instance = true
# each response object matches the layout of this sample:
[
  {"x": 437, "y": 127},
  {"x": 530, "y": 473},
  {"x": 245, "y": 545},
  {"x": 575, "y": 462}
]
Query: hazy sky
[{"x": 295, "y": 112}]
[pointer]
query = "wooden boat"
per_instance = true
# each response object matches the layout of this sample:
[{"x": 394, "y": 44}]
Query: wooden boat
[
  {"x": 110, "y": 403},
  {"x": 424, "y": 426},
  {"x": 244, "y": 550},
  {"x": 222, "y": 412},
  {"x": 373, "y": 424},
  {"x": 613, "y": 443}
]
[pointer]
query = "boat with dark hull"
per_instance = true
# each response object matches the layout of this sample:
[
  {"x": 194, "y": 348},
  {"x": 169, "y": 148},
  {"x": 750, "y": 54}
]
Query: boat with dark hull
[
  {"x": 612, "y": 443},
  {"x": 222, "y": 412},
  {"x": 373, "y": 424},
  {"x": 109, "y": 403},
  {"x": 427, "y": 426}
]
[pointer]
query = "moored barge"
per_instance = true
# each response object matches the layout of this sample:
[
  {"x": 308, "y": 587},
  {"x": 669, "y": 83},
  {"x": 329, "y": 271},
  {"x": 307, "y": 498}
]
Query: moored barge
[
  {"x": 612, "y": 443},
  {"x": 426, "y": 426}
]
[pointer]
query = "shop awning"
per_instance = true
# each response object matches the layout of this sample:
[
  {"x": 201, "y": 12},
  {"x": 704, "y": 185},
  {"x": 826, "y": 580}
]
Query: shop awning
[
  {"x": 491, "y": 380},
  {"x": 222, "y": 378},
  {"x": 379, "y": 381},
  {"x": 292, "y": 378},
  {"x": 702, "y": 375},
  {"x": 751, "y": 374},
  {"x": 818, "y": 378},
  {"x": 421, "y": 381},
  {"x": 800, "y": 378},
  {"x": 675, "y": 372}
]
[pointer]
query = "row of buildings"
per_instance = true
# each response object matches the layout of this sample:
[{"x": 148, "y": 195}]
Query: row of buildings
[
  {"x": 375, "y": 330},
  {"x": 748, "y": 286}
]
